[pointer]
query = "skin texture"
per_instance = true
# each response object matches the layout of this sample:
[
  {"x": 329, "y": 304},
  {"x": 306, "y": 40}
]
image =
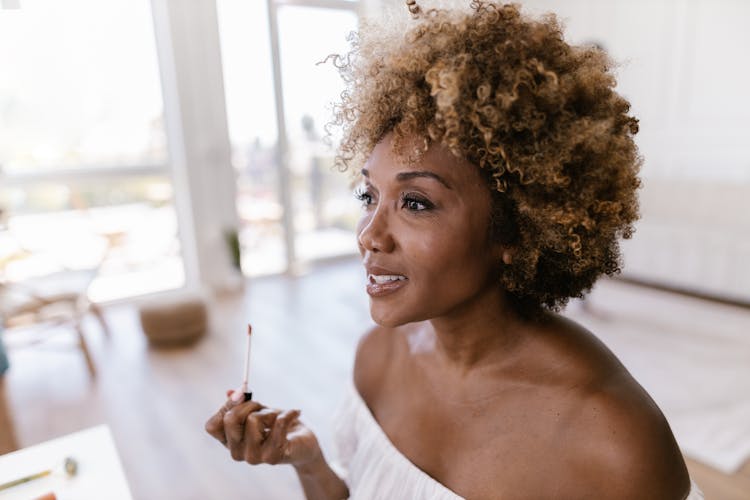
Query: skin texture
[
  {"x": 490, "y": 403},
  {"x": 443, "y": 229}
]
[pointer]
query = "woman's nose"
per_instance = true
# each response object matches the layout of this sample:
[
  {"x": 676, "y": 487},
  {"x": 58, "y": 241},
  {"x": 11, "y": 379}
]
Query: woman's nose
[{"x": 374, "y": 233}]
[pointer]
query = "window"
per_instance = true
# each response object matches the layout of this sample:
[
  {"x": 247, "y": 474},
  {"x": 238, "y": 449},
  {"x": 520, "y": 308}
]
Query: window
[
  {"x": 82, "y": 146},
  {"x": 321, "y": 211}
]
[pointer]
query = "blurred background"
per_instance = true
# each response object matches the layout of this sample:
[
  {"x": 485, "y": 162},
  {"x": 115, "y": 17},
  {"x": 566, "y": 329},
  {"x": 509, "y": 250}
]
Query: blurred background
[{"x": 164, "y": 154}]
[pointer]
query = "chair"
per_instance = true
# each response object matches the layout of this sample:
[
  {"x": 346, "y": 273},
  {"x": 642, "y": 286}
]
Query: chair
[{"x": 38, "y": 307}]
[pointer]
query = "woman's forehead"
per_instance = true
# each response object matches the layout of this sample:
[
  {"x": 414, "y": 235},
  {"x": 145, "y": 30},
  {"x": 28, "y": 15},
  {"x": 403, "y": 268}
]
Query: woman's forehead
[{"x": 437, "y": 162}]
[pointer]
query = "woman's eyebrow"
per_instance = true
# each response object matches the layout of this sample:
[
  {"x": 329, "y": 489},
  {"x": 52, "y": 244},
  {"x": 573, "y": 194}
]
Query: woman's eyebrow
[{"x": 405, "y": 176}]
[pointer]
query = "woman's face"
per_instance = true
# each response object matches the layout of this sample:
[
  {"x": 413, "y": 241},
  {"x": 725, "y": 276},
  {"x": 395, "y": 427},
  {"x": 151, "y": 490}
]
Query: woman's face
[{"x": 424, "y": 236}]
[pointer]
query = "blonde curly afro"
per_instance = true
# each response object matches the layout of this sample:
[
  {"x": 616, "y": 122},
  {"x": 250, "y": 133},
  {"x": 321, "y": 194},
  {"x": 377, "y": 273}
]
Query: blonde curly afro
[{"x": 538, "y": 116}]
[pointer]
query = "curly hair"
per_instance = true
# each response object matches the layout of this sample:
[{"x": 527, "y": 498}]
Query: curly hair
[{"x": 538, "y": 116}]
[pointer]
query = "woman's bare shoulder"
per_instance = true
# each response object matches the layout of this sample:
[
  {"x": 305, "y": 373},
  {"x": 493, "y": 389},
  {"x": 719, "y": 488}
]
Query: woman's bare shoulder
[
  {"x": 617, "y": 438},
  {"x": 373, "y": 359},
  {"x": 622, "y": 445}
]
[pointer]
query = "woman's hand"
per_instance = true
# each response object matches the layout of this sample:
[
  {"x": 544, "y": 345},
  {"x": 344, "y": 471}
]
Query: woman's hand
[{"x": 261, "y": 435}]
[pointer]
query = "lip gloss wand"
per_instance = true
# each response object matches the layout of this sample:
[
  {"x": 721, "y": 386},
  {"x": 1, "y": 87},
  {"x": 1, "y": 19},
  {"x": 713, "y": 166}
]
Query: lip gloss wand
[{"x": 248, "y": 394}]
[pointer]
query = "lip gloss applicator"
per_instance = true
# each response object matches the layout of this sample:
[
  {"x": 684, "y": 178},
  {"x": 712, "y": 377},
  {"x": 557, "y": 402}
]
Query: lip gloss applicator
[{"x": 248, "y": 394}]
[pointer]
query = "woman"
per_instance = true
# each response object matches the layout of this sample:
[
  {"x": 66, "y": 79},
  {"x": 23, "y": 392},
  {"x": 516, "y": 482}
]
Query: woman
[{"x": 499, "y": 172}]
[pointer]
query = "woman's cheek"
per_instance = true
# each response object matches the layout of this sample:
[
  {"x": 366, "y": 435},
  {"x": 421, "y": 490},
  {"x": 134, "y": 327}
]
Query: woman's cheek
[{"x": 424, "y": 249}]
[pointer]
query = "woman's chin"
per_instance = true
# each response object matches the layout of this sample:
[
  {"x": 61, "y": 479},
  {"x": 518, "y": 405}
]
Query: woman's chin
[
  {"x": 385, "y": 323},
  {"x": 389, "y": 317},
  {"x": 386, "y": 320}
]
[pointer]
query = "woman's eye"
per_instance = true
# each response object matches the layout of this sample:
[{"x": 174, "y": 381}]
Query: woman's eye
[
  {"x": 415, "y": 203},
  {"x": 364, "y": 196}
]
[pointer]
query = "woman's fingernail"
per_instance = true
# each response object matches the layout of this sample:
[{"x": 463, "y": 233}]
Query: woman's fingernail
[{"x": 230, "y": 392}]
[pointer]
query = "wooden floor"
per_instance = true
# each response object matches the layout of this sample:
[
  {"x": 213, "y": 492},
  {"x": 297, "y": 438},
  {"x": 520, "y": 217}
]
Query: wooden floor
[{"x": 156, "y": 401}]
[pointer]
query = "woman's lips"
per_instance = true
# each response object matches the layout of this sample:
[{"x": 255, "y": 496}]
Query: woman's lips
[{"x": 375, "y": 289}]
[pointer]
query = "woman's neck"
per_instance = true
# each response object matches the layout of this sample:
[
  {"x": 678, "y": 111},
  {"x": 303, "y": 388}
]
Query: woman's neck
[{"x": 484, "y": 331}]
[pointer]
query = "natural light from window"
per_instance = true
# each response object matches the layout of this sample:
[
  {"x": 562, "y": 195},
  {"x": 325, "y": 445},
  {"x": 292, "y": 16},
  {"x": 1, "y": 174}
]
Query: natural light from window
[{"x": 84, "y": 182}]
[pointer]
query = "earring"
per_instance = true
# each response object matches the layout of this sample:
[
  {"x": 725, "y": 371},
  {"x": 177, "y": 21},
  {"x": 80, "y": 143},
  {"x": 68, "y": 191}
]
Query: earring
[{"x": 507, "y": 257}]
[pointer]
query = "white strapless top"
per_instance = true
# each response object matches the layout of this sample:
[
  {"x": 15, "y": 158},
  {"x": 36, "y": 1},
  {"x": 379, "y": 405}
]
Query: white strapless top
[{"x": 374, "y": 469}]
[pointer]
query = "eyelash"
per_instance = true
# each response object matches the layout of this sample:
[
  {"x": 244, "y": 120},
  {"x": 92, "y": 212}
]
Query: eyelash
[
  {"x": 363, "y": 195},
  {"x": 411, "y": 198},
  {"x": 407, "y": 200}
]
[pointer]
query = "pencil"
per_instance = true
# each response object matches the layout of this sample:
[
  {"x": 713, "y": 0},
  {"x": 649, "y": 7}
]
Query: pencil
[{"x": 26, "y": 479}]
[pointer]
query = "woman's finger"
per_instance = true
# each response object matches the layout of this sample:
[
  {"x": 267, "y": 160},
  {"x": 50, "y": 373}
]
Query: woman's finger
[
  {"x": 215, "y": 425},
  {"x": 234, "y": 426},
  {"x": 300, "y": 442},
  {"x": 255, "y": 423},
  {"x": 267, "y": 420},
  {"x": 275, "y": 444}
]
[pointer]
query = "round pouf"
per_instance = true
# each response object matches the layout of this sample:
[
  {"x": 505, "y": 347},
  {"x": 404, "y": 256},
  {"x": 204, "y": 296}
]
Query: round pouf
[{"x": 175, "y": 320}]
